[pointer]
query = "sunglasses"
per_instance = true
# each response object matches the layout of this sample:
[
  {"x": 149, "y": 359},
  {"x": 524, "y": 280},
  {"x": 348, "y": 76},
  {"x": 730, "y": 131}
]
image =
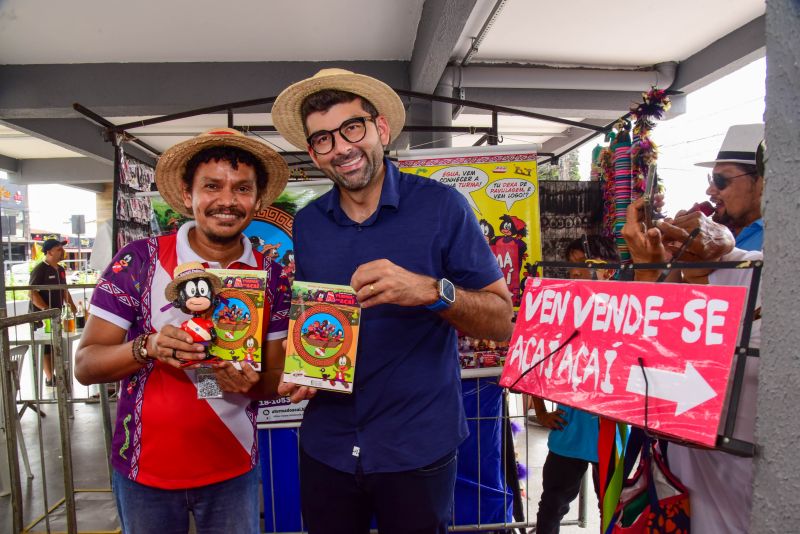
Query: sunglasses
[{"x": 721, "y": 182}]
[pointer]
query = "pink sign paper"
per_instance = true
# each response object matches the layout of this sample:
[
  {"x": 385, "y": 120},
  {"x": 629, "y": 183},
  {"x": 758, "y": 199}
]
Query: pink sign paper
[{"x": 684, "y": 334}]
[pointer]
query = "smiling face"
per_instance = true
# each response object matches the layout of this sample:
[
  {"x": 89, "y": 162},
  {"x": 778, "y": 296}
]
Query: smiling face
[
  {"x": 740, "y": 200},
  {"x": 352, "y": 166},
  {"x": 222, "y": 199}
]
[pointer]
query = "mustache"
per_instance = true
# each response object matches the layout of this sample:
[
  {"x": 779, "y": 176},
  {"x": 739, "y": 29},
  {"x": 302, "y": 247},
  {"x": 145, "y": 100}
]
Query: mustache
[
  {"x": 350, "y": 155},
  {"x": 225, "y": 211}
]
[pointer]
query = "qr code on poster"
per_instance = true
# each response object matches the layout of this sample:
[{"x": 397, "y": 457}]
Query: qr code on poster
[{"x": 207, "y": 386}]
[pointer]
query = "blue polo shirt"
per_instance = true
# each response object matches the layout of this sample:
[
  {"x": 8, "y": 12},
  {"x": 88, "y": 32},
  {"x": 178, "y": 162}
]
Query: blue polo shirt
[
  {"x": 752, "y": 236},
  {"x": 405, "y": 411}
]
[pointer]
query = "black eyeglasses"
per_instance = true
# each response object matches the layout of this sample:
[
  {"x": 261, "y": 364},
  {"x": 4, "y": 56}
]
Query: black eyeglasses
[
  {"x": 352, "y": 130},
  {"x": 721, "y": 182}
]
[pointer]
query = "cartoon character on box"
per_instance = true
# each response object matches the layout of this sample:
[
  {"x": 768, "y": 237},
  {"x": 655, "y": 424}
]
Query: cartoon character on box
[
  {"x": 194, "y": 290},
  {"x": 343, "y": 364},
  {"x": 250, "y": 348}
]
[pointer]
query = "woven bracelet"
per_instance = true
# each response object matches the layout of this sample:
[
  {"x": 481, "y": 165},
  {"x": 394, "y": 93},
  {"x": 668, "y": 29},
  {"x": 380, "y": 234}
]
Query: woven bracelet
[{"x": 139, "y": 343}]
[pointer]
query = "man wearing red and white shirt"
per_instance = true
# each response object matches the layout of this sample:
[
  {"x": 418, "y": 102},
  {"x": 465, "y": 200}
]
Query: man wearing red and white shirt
[{"x": 173, "y": 452}]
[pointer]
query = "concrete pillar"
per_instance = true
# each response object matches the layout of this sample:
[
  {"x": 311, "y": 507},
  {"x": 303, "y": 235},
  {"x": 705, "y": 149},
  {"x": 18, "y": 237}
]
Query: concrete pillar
[
  {"x": 777, "y": 480},
  {"x": 419, "y": 114},
  {"x": 104, "y": 204},
  {"x": 442, "y": 115}
]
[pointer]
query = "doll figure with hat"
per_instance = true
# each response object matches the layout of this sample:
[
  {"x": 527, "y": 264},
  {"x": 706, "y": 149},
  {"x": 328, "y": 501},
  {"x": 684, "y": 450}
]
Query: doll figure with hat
[{"x": 194, "y": 290}]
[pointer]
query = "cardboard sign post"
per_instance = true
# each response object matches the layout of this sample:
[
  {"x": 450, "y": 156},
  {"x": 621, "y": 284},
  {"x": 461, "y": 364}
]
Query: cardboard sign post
[{"x": 612, "y": 348}]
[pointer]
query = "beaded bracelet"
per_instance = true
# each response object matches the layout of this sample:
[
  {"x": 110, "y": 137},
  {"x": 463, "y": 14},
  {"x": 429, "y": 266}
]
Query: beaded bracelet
[{"x": 139, "y": 349}]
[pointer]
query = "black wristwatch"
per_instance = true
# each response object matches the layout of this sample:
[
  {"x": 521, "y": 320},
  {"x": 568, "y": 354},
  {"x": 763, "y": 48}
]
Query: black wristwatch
[{"x": 447, "y": 295}]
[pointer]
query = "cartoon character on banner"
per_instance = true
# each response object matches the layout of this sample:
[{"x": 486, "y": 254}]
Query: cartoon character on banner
[
  {"x": 194, "y": 291},
  {"x": 511, "y": 251},
  {"x": 288, "y": 265}
]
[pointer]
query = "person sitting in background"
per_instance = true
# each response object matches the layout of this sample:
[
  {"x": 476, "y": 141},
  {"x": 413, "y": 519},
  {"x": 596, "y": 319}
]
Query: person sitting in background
[{"x": 572, "y": 442}]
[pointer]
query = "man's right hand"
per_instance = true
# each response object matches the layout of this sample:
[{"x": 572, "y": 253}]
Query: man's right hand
[
  {"x": 295, "y": 392},
  {"x": 174, "y": 347},
  {"x": 713, "y": 241}
]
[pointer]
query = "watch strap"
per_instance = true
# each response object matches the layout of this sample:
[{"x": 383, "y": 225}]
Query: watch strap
[{"x": 439, "y": 305}]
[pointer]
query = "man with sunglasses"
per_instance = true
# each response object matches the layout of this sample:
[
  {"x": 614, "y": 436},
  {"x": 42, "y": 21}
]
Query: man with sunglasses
[
  {"x": 414, "y": 252},
  {"x": 720, "y": 484},
  {"x": 735, "y": 185}
]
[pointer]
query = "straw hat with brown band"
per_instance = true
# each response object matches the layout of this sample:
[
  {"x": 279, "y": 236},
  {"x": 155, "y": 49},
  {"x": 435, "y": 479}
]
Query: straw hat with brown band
[
  {"x": 189, "y": 271},
  {"x": 286, "y": 109},
  {"x": 172, "y": 165}
]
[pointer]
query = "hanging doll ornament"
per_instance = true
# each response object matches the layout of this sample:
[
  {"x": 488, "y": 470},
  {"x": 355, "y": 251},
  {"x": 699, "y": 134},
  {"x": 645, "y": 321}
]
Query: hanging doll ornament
[{"x": 193, "y": 290}]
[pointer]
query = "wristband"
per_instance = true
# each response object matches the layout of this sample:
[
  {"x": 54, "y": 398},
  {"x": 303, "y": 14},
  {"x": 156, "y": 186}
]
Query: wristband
[{"x": 139, "y": 349}]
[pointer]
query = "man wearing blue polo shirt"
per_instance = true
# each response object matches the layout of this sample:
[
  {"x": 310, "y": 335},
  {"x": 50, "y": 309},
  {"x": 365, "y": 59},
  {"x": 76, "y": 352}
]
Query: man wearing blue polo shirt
[{"x": 413, "y": 251}]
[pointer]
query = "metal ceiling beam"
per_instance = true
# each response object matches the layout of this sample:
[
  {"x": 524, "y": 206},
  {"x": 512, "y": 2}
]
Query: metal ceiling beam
[
  {"x": 8, "y": 164},
  {"x": 136, "y": 89},
  {"x": 567, "y": 103},
  {"x": 85, "y": 173},
  {"x": 557, "y": 145},
  {"x": 440, "y": 26},
  {"x": 725, "y": 55},
  {"x": 78, "y": 135}
]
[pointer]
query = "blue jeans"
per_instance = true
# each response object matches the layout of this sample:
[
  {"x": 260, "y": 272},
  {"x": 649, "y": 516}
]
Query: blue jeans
[{"x": 226, "y": 507}]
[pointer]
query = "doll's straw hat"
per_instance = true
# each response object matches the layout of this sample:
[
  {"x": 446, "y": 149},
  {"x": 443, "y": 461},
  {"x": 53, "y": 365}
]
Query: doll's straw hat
[
  {"x": 286, "y": 109},
  {"x": 172, "y": 165},
  {"x": 739, "y": 146},
  {"x": 189, "y": 271}
]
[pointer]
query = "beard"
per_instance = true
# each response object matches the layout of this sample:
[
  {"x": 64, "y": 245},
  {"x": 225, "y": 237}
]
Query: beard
[{"x": 361, "y": 178}]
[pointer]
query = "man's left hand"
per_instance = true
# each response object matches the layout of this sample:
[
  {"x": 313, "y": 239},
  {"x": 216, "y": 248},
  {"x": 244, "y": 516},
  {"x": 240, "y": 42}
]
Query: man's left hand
[
  {"x": 232, "y": 380},
  {"x": 383, "y": 282}
]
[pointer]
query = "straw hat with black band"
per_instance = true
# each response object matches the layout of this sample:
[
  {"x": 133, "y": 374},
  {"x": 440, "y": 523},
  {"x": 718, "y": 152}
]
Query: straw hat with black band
[
  {"x": 286, "y": 109},
  {"x": 172, "y": 165}
]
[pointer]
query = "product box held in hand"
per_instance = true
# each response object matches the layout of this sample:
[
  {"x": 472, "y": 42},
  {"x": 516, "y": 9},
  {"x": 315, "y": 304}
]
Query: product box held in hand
[
  {"x": 239, "y": 316},
  {"x": 323, "y": 336}
]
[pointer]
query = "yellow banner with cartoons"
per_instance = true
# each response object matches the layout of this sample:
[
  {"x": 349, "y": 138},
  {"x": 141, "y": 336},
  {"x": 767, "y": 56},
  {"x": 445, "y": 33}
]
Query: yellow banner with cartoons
[{"x": 503, "y": 191}]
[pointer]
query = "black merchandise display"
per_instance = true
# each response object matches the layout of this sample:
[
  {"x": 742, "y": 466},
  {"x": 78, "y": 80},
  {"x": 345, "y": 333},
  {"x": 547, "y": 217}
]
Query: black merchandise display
[{"x": 133, "y": 213}]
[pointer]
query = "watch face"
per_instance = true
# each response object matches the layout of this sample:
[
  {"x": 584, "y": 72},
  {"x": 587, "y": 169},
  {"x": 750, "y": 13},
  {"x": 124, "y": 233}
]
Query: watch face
[{"x": 447, "y": 290}]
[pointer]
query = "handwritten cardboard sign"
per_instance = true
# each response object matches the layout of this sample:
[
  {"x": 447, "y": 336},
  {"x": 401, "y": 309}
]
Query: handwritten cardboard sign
[{"x": 584, "y": 340}]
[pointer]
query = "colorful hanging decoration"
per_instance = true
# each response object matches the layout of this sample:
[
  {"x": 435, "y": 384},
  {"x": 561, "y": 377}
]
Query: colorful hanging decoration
[
  {"x": 606, "y": 164},
  {"x": 644, "y": 152},
  {"x": 622, "y": 184}
]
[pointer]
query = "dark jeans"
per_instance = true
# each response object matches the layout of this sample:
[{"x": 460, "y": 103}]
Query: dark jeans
[
  {"x": 410, "y": 502},
  {"x": 561, "y": 483}
]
